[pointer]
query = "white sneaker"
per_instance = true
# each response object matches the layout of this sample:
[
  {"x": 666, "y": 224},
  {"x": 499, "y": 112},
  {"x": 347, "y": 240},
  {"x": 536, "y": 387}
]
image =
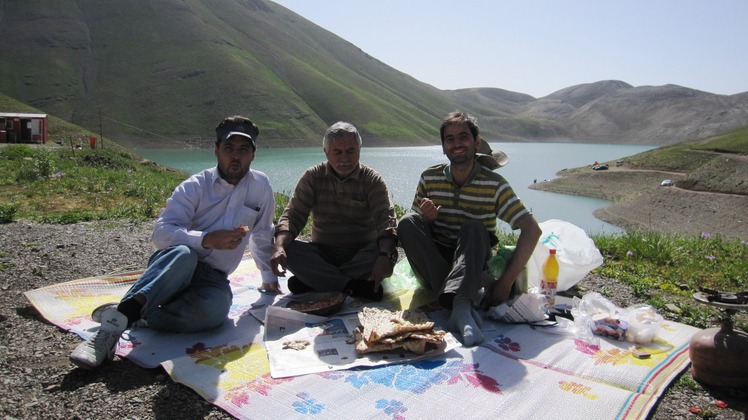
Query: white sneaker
[
  {"x": 96, "y": 314},
  {"x": 100, "y": 347}
]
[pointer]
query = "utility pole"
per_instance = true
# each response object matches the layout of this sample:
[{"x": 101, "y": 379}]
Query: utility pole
[{"x": 101, "y": 130}]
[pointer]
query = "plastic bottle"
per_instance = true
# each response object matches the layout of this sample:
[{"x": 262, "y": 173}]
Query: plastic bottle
[{"x": 549, "y": 279}]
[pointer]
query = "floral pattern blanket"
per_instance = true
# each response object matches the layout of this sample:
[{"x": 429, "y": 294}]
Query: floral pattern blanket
[{"x": 518, "y": 372}]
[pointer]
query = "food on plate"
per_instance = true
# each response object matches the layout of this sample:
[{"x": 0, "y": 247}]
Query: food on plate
[
  {"x": 384, "y": 330},
  {"x": 322, "y": 303}
]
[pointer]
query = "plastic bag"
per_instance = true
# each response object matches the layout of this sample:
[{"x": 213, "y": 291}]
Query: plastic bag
[
  {"x": 576, "y": 253},
  {"x": 644, "y": 323},
  {"x": 525, "y": 308},
  {"x": 599, "y": 316},
  {"x": 402, "y": 278},
  {"x": 497, "y": 264},
  {"x": 638, "y": 323}
]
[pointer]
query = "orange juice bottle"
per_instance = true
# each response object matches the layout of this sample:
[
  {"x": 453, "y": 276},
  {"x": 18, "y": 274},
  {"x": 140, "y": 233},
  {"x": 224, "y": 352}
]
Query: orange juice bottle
[{"x": 549, "y": 279}]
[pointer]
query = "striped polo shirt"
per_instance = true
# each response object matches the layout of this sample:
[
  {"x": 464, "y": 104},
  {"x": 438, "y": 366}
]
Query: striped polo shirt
[{"x": 484, "y": 196}]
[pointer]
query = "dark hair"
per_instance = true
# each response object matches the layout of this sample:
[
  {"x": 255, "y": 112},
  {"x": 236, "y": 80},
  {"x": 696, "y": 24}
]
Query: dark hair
[
  {"x": 458, "y": 117},
  {"x": 237, "y": 123}
]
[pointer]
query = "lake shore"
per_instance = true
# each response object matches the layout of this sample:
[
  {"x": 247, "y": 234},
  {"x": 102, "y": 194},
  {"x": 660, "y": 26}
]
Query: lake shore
[{"x": 640, "y": 202}]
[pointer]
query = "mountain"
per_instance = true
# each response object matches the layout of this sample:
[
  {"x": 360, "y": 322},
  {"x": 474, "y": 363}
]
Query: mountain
[
  {"x": 618, "y": 112},
  {"x": 155, "y": 74}
]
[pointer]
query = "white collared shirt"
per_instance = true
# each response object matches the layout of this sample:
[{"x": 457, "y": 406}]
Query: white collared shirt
[{"x": 205, "y": 202}]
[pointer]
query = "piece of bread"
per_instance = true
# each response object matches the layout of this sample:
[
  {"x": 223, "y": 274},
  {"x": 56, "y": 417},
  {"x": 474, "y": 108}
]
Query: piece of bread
[
  {"x": 379, "y": 323},
  {"x": 417, "y": 343},
  {"x": 384, "y": 330}
]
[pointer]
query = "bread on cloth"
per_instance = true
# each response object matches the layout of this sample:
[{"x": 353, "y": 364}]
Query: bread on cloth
[{"x": 385, "y": 330}]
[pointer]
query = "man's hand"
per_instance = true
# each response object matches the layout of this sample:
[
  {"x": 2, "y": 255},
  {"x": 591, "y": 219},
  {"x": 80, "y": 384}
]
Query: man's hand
[
  {"x": 278, "y": 261},
  {"x": 381, "y": 270},
  {"x": 224, "y": 238},
  {"x": 278, "y": 257},
  {"x": 429, "y": 210},
  {"x": 499, "y": 291},
  {"x": 530, "y": 232}
]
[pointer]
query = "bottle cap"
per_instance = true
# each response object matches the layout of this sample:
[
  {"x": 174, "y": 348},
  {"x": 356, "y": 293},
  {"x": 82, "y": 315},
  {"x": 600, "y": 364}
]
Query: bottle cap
[{"x": 553, "y": 250}]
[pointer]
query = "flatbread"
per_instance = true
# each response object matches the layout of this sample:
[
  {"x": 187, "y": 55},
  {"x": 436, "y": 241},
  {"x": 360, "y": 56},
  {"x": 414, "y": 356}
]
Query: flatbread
[
  {"x": 383, "y": 330},
  {"x": 413, "y": 343},
  {"x": 379, "y": 323}
]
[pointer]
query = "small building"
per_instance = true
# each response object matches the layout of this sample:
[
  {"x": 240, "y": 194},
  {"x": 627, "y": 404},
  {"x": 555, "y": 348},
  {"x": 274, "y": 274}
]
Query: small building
[{"x": 23, "y": 128}]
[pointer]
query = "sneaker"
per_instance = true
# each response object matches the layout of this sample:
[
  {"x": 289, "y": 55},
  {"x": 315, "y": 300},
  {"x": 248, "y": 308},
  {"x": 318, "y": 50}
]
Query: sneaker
[
  {"x": 100, "y": 347},
  {"x": 96, "y": 314}
]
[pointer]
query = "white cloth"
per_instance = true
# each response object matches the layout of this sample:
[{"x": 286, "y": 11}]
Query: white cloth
[{"x": 205, "y": 202}]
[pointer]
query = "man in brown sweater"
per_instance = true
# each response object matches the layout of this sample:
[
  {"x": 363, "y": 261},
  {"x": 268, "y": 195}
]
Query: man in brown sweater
[{"x": 354, "y": 228}]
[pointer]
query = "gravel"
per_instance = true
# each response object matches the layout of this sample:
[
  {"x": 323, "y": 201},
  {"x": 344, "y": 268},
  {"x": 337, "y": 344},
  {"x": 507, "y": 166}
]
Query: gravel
[{"x": 38, "y": 381}]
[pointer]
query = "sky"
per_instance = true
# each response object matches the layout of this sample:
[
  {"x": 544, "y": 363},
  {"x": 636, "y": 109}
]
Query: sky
[{"x": 539, "y": 47}]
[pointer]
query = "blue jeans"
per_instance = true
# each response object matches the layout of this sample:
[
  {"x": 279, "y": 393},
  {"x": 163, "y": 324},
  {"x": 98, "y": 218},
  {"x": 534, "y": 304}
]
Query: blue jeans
[{"x": 182, "y": 294}]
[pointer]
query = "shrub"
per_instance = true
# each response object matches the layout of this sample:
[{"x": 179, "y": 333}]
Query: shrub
[
  {"x": 16, "y": 152},
  {"x": 38, "y": 166},
  {"x": 8, "y": 212}
]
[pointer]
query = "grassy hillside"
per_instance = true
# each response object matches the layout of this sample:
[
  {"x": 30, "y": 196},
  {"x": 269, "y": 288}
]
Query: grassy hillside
[
  {"x": 714, "y": 164},
  {"x": 170, "y": 70},
  {"x": 157, "y": 74}
]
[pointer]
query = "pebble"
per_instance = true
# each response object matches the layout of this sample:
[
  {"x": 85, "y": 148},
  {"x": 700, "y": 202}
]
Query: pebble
[{"x": 673, "y": 308}]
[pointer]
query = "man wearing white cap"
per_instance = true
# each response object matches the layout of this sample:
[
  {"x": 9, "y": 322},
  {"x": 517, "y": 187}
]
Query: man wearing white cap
[{"x": 200, "y": 238}]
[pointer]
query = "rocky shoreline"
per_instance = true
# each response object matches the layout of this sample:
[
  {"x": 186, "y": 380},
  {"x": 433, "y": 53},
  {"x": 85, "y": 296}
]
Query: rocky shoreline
[
  {"x": 640, "y": 202},
  {"x": 38, "y": 381}
]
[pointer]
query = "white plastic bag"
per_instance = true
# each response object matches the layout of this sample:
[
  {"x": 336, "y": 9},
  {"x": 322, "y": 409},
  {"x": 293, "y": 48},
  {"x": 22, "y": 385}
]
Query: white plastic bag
[
  {"x": 525, "y": 308},
  {"x": 644, "y": 323},
  {"x": 576, "y": 253}
]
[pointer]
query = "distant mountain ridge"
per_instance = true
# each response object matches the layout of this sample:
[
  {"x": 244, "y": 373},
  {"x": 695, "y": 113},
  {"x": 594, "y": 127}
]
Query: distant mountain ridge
[{"x": 161, "y": 72}]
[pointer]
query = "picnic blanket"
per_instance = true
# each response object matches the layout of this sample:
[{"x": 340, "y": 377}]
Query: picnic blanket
[{"x": 518, "y": 372}]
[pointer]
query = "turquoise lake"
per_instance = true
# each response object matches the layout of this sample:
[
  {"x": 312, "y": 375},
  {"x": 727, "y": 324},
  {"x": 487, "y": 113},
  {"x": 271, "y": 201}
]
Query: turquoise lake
[{"x": 401, "y": 167}]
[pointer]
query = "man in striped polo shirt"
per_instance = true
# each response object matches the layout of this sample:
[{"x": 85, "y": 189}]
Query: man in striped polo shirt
[{"x": 449, "y": 236}]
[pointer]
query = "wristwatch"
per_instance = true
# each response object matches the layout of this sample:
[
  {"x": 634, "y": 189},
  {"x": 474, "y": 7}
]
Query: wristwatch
[{"x": 392, "y": 255}]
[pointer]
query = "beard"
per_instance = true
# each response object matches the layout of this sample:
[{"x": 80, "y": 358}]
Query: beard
[{"x": 232, "y": 173}]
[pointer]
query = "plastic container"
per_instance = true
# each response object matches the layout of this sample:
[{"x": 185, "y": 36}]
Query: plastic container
[
  {"x": 644, "y": 323},
  {"x": 549, "y": 278}
]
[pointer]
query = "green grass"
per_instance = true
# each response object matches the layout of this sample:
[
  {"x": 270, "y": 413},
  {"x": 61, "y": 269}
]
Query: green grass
[
  {"x": 664, "y": 269},
  {"x": 690, "y": 155},
  {"x": 68, "y": 186},
  {"x": 732, "y": 142}
]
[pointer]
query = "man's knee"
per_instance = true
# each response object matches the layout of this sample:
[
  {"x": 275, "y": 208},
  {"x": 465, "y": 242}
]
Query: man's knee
[
  {"x": 473, "y": 229},
  {"x": 210, "y": 313},
  {"x": 411, "y": 222},
  {"x": 181, "y": 254}
]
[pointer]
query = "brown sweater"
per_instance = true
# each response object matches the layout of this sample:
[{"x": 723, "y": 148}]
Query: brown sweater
[{"x": 352, "y": 211}]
